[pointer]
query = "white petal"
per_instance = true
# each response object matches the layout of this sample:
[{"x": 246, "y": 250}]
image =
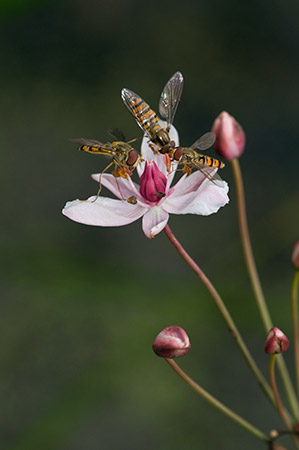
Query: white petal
[
  {"x": 173, "y": 134},
  {"x": 102, "y": 211},
  {"x": 190, "y": 183},
  {"x": 120, "y": 187},
  {"x": 207, "y": 199},
  {"x": 154, "y": 220}
]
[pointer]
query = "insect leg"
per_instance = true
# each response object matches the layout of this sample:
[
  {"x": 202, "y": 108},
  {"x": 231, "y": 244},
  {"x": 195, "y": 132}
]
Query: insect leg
[
  {"x": 100, "y": 184},
  {"x": 133, "y": 140}
]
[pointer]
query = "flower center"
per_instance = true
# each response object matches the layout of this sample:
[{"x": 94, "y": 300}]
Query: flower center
[{"x": 152, "y": 183}]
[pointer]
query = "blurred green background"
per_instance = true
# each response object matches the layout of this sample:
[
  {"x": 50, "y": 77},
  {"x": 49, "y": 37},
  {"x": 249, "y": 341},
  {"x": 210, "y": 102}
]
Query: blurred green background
[{"x": 80, "y": 306}]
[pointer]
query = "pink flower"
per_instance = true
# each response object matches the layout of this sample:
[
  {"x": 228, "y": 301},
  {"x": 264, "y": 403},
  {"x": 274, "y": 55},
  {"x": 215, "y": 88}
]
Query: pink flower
[
  {"x": 154, "y": 198},
  {"x": 230, "y": 137}
]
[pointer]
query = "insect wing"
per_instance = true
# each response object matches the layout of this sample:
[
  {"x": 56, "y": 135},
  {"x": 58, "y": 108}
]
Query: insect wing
[
  {"x": 170, "y": 97},
  {"x": 93, "y": 146},
  {"x": 209, "y": 172},
  {"x": 133, "y": 102},
  {"x": 205, "y": 141},
  {"x": 117, "y": 134},
  {"x": 89, "y": 142}
]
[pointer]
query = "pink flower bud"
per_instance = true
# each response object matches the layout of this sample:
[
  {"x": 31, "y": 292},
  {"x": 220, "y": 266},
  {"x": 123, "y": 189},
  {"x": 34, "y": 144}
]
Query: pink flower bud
[
  {"x": 295, "y": 255},
  {"x": 172, "y": 342},
  {"x": 276, "y": 342},
  {"x": 152, "y": 183},
  {"x": 230, "y": 137},
  {"x": 276, "y": 446}
]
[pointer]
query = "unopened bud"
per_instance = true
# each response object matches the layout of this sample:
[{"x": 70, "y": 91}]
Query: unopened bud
[
  {"x": 295, "y": 255},
  {"x": 276, "y": 342},
  {"x": 172, "y": 342},
  {"x": 276, "y": 446},
  {"x": 274, "y": 434},
  {"x": 230, "y": 137}
]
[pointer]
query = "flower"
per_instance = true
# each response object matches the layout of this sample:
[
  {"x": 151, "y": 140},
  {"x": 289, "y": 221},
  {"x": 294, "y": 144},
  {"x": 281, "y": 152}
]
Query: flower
[
  {"x": 230, "y": 137},
  {"x": 153, "y": 199},
  {"x": 295, "y": 255},
  {"x": 171, "y": 342},
  {"x": 276, "y": 342}
]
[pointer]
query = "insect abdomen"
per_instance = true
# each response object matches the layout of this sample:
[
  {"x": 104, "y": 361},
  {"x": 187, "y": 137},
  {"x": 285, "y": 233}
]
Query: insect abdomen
[
  {"x": 88, "y": 148},
  {"x": 93, "y": 149},
  {"x": 145, "y": 115},
  {"x": 212, "y": 162}
]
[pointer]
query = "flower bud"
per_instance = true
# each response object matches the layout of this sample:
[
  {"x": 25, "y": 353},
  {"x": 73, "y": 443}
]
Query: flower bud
[
  {"x": 295, "y": 255},
  {"x": 276, "y": 342},
  {"x": 276, "y": 446},
  {"x": 230, "y": 137},
  {"x": 172, "y": 342}
]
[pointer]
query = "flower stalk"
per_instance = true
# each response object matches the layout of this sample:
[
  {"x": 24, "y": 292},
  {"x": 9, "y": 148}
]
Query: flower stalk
[
  {"x": 295, "y": 324},
  {"x": 255, "y": 281},
  {"x": 276, "y": 393},
  {"x": 278, "y": 401},
  {"x": 224, "y": 312},
  {"x": 217, "y": 404}
]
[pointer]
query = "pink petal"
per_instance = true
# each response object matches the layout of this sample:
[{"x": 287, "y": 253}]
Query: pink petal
[
  {"x": 205, "y": 200},
  {"x": 118, "y": 186},
  {"x": 105, "y": 212},
  {"x": 154, "y": 220}
]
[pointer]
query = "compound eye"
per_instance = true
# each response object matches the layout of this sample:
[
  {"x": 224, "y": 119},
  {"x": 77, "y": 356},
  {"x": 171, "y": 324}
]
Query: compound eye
[
  {"x": 133, "y": 157},
  {"x": 178, "y": 153},
  {"x": 164, "y": 149}
]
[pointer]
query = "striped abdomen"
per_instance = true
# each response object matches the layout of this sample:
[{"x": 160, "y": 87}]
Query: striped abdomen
[
  {"x": 211, "y": 162},
  {"x": 146, "y": 117},
  {"x": 89, "y": 148},
  {"x": 101, "y": 150}
]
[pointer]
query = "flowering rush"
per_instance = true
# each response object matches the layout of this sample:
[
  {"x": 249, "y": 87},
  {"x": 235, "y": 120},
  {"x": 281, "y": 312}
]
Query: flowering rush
[{"x": 153, "y": 198}]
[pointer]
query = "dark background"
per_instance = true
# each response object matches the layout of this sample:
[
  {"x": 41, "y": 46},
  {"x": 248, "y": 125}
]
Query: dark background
[{"x": 80, "y": 306}]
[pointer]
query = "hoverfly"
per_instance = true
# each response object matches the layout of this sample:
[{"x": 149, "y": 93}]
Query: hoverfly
[
  {"x": 194, "y": 160},
  {"x": 124, "y": 157},
  {"x": 147, "y": 119}
]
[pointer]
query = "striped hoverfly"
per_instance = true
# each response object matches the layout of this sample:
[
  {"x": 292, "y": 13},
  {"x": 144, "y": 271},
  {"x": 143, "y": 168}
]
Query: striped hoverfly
[
  {"x": 191, "y": 159},
  {"x": 124, "y": 157},
  {"x": 147, "y": 119}
]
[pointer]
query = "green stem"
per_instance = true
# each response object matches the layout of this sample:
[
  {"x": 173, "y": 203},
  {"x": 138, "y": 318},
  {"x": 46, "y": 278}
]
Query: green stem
[
  {"x": 295, "y": 324},
  {"x": 276, "y": 393},
  {"x": 224, "y": 312},
  {"x": 217, "y": 404},
  {"x": 257, "y": 288},
  {"x": 278, "y": 402}
]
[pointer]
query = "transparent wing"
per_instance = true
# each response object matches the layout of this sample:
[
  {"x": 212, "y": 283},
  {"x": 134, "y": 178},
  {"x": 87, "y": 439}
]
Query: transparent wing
[
  {"x": 209, "y": 172},
  {"x": 133, "y": 102},
  {"x": 170, "y": 97},
  {"x": 205, "y": 141},
  {"x": 117, "y": 134},
  {"x": 95, "y": 147},
  {"x": 89, "y": 142}
]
